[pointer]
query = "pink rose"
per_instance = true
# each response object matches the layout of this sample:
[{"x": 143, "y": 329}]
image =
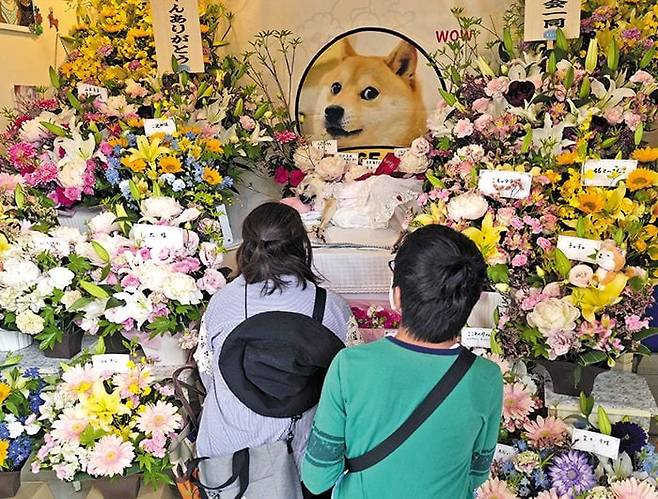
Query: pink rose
[
  {"x": 212, "y": 281},
  {"x": 247, "y": 123},
  {"x": 481, "y": 105},
  {"x": 614, "y": 115},
  {"x": 642, "y": 77},
  {"x": 581, "y": 275},
  {"x": 296, "y": 177},
  {"x": 632, "y": 120},
  {"x": 420, "y": 147},
  {"x": 483, "y": 122},
  {"x": 187, "y": 265},
  {"x": 520, "y": 260},
  {"x": 463, "y": 128},
  {"x": 497, "y": 87},
  {"x": 552, "y": 290},
  {"x": 281, "y": 175}
]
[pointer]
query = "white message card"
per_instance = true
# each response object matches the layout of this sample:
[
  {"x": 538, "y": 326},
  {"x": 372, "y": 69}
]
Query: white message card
[
  {"x": 513, "y": 185},
  {"x": 579, "y": 248},
  {"x": 86, "y": 90},
  {"x": 504, "y": 453},
  {"x": 158, "y": 237},
  {"x": 225, "y": 224},
  {"x": 476, "y": 337},
  {"x": 606, "y": 172},
  {"x": 329, "y": 147},
  {"x": 159, "y": 125},
  {"x": 597, "y": 443},
  {"x": 350, "y": 157},
  {"x": 116, "y": 363},
  {"x": 371, "y": 164}
]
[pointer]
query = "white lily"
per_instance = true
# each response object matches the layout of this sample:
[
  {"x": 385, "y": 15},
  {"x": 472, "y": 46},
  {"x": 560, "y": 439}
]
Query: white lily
[
  {"x": 549, "y": 138},
  {"x": 216, "y": 112},
  {"x": 258, "y": 136},
  {"x": 612, "y": 96},
  {"x": 137, "y": 307}
]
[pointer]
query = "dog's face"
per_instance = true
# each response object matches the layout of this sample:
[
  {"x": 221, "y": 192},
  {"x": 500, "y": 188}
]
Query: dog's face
[{"x": 368, "y": 100}]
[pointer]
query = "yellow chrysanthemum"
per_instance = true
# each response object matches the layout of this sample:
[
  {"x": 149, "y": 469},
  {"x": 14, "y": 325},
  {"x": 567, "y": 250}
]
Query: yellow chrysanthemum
[
  {"x": 214, "y": 145},
  {"x": 641, "y": 178},
  {"x": 567, "y": 158},
  {"x": 552, "y": 175},
  {"x": 170, "y": 164},
  {"x": 590, "y": 202},
  {"x": 4, "y": 447},
  {"x": 136, "y": 166},
  {"x": 5, "y": 390},
  {"x": 211, "y": 176},
  {"x": 135, "y": 122},
  {"x": 646, "y": 154}
]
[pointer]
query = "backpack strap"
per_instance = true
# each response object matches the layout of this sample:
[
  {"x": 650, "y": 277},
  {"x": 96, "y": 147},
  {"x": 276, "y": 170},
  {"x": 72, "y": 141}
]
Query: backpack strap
[
  {"x": 441, "y": 390},
  {"x": 320, "y": 304}
]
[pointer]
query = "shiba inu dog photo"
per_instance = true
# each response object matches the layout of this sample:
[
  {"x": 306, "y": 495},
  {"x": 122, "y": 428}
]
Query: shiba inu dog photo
[{"x": 369, "y": 100}]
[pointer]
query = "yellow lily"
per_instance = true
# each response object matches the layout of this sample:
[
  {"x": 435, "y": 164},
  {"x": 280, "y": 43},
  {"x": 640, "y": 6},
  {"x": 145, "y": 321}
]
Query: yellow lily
[
  {"x": 486, "y": 238},
  {"x": 148, "y": 151},
  {"x": 593, "y": 300},
  {"x": 435, "y": 216},
  {"x": 102, "y": 406},
  {"x": 4, "y": 244}
]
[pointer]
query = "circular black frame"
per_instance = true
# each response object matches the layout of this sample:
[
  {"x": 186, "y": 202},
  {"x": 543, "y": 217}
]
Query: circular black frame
[{"x": 351, "y": 32}]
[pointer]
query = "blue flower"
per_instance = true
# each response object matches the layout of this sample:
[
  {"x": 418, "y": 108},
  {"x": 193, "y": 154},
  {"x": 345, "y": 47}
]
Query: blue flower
[
  {"x": 112, "y": 175},
  {"x": 168, "y": 177},
  {"x": 116, "y": 151},
  {"x": 190, "y": 135},
  {"x": 521, "y": 445},
  {"x": 178, "y": 185},
  {"x": 35, "y": 403},
  {"x": 124, "y": 186},
  {"x": 4, "y": 431},
  {"x": 524, "y": 491},
  {"x": 174, "y": 145},
  {"x": 19, "y": 451},
  {"x": 540, "y": 479},
  {"x": 507, "y": 467},
  {"x": 227, "y": 182},
  {"x": 132, "y": 140},
  {"x": 32, "y": 372}
]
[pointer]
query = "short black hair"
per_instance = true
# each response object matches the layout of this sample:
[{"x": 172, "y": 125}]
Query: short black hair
[
  {"x": 274, "y": 246},
  {"x": 441, "y": 274}
]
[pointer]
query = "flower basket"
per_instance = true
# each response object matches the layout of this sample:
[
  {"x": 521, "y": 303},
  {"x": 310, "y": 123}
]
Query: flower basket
[
  {"x": 10, "y": 341},
  {"x": 122, "y": 487},
  {"x": 114, "y": 344},
  {"x": 70, "y": 346},
  {"x": 570, "y": 378},
  {"x": 165, "y": 350},
  {"x": 10, "y": 482}
]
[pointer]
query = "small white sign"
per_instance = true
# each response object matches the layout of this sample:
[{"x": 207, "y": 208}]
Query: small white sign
[
  {"x": 350, "y": 157},
  {"x": 42, "y": 242},
  {"x": 504, "y": 453},
  {"x": 579, "y": 248},
  {"x": 329, "y": 147},
  {"x": 606, "y": 172},
  {"x": 115, "y": 362},
  {"x": 597, "y": 443},
  {"x": 504, "y": 184},
  {"x": 86, "y": 90},
  {"x": 159, "y": 125},
  {"x": 371, "y": 164},
  {"x": 158, "y": 237},
  {"x": 225, "y": 224},
  {"x": 398, "y": 152},
  {"x": 476, "y": 337}
]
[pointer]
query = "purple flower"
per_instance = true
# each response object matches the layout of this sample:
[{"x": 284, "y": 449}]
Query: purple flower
[
  {"x": 571, "y": 473},
  {"x": 633, "y": 437},
  {"x": 520, "y": 92}
]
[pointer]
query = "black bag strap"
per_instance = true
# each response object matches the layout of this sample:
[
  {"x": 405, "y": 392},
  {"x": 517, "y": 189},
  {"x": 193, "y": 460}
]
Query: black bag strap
[
  {"x": 320, "y": 304},
  {"x": 441, "y": 390},
  {"x": 240, "y": 471}
]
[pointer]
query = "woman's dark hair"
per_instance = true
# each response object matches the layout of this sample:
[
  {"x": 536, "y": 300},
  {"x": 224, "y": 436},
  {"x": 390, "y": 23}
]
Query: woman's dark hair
[
  {"x": 440, "y": 273},
  {"x": 275, "y": 245}
]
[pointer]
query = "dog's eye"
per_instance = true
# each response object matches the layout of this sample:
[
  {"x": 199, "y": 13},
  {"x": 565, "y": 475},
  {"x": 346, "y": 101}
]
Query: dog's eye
[
  {"x": 370, "y": 93},
  {"x": 336, "y": 88}
]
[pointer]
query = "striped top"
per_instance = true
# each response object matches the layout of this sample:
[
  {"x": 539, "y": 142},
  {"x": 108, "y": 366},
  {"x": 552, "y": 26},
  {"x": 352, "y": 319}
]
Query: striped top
[{"x": 227, "y": 425}]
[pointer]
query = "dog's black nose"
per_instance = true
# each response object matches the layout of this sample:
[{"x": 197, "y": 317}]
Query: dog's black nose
[{"x": 334, "y": 114}]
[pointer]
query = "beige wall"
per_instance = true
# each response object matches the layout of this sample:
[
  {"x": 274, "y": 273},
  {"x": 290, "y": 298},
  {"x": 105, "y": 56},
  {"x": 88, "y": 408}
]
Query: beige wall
[{"x": 25, "y": 59}]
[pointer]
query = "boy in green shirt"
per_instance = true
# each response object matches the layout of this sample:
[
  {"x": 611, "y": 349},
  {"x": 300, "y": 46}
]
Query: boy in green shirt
[{"x": 370, "y": 390}]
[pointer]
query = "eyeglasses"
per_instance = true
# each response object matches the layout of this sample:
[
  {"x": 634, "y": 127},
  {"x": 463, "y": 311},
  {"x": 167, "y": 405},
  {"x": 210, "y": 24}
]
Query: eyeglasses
[{"x": 391, "y": 265}]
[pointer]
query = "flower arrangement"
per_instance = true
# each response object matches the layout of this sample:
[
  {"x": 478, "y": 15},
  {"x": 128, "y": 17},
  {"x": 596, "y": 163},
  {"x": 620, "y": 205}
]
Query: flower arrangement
[
  {"x": 39, "y": 284},
  {"x": 152, "y": 277},
  {"x": 376, "y": 317},
  {"x": 20, "y": 404},
  {"x": 544, "y": 464},
  {"x": 98, "y": 424}
]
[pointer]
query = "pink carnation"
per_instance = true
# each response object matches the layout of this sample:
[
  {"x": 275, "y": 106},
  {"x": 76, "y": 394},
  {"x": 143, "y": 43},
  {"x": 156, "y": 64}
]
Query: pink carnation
[
  {"x": 463, "y": 128},
  {"x": 497, "y": 87},
  {"x": 544, "y": 243},
  {"x": 483, "y": 122},
  {"x": 186, "y": 266},
  {"x": 480, "y": 105},
  {"x": 520, "y": 260},
  {"x": 285, "y": 137},
  {"x": 155, "y": 445},
  {"x": 614, "y": 115},
  {"x": 634, "y": 323},
  {"x": 632, "y": 120},
  {"x": 20, "y": 154},
  {"x": 247, "y": 123}
]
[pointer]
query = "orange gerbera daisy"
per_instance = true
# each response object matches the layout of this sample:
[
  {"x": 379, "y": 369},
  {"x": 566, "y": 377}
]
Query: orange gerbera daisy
[
  {"x": 567, "y": 158},
  {"x": 641, "y": 178},
  {"x": 646, "y": 154},
  {"x": 170, "y": 164},
  {"x": 139, "y": 165},
  {"x": 211, "y": 176},
  {"x": 590, "y": 202},
  {"x": 214, "y": 145}
]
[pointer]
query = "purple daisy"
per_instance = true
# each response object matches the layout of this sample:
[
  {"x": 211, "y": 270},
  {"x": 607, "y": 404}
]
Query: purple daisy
[
  {"x": 571, "y": 473},
  {"x": 632, "y": 436}
]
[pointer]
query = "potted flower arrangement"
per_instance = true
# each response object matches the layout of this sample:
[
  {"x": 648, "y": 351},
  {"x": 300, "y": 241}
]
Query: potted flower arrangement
[
  {"x": 114, "y": 428},
  {"x": 375, "y": 321},
  {"x": 543, "y": 462},
  {"x": 20, "y": 429},
  {"x": 152, "y": 278},
  {"x": 39, "y": 284}
]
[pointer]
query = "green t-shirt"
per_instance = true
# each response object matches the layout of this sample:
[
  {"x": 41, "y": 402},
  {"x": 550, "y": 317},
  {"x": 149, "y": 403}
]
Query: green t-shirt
[{"x": 370, "y": 390}]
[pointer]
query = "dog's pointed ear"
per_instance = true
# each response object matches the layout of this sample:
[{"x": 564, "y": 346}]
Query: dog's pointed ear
[
  {"x": 346, "y": 49},
  {"x": 403, "y": 60}
]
